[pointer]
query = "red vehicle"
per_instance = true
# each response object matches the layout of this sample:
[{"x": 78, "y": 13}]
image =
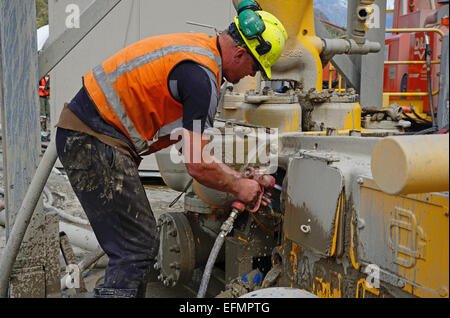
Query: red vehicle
[
  {"x": 405, "y": 71},
  {"x": 407, "y": 83}
]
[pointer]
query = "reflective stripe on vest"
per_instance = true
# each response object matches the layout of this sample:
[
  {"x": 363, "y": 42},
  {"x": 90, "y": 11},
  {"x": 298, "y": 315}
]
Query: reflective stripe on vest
[{"x": 106, "y": 82}]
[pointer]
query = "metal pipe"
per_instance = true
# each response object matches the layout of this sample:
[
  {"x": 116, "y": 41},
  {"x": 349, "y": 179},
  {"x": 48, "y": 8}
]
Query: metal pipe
[
  {"x": 362, "y": 14},
  {"x": 411, "y": 164},
  {"x": 24, "y": 215},
  {"x": 348, "y": 46},
  {"x": 411, "y": 62},
  {"x": 85, "y": 263},
  {"x": 79, "y": 236},
  {"x": 300, "y": 60},
  {"x": 330, "y": 77},
  {"x": 49, "y": 207},
  {"x": 407, "y": 30},
  {"x": 416, "y": 94}
]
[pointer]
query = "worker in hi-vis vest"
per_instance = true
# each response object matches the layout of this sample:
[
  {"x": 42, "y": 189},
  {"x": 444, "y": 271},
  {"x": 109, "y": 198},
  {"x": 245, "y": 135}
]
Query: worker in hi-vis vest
[
  {"x": 44, "y": 95},
  {"x": 152, "y": 87}
]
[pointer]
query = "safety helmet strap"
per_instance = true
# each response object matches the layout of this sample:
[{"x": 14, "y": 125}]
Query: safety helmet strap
[{"x": 233, "y": 31}]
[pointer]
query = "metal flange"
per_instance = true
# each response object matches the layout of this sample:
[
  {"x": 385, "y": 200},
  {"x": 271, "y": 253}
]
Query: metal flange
[{"x": 176, "y": 256}]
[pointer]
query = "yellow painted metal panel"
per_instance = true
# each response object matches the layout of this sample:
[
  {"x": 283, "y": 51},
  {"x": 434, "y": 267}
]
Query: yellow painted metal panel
[
  {"x": 353, "y": 118},
  {"x": 416, "y": 232}
]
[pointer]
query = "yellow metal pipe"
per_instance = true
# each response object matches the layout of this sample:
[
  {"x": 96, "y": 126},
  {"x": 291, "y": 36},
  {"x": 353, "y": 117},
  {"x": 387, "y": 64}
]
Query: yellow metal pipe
[
  {"x": 413, "y": 94},
  {"x": 300, "y": 60},
  {"x": 330, "y": 77},
  {"x": 411, "y": 164}
]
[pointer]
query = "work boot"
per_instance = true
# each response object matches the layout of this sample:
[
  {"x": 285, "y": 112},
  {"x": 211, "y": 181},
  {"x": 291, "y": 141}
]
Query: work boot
[
  {"x": 142, "y": 290},
  {"x": 115, "y": 293}
]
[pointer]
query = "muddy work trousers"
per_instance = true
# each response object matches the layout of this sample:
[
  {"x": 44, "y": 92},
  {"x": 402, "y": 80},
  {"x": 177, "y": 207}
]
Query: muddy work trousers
[{"x": 108, "y": 186}]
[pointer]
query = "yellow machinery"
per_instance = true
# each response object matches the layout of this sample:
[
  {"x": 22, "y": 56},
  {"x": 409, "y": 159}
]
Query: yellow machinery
[{"x": 359, "y": 211}]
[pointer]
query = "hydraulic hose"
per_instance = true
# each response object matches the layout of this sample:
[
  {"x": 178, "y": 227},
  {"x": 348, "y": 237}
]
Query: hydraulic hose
[
  {"x": 210, "y": 264},
  {"x": 428, "y": 63},
  {"x": 418, "y": 116},
  {"x": 24, "y": 215},
  {"x": 266, "y": 182},
  {"x": 226, "y": 228}
]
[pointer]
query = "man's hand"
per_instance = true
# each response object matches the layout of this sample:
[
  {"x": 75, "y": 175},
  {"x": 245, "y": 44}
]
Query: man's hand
[{"x": 247, "y": 190}]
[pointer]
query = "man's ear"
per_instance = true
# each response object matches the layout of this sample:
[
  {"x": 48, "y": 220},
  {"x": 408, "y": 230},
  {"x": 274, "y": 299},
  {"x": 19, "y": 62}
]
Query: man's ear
[{"x": 239, "y": 53}]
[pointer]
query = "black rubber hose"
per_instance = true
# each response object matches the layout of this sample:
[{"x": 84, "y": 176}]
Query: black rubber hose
[
  {"x": 422, "y": 132},
  {"x": 418, "y": 116},
  {"x": 412, "y": 120},
  {"x": 430, "y": 92},
  {"x": 430, "y": 98},
  {"x": 426, "y": 131}
]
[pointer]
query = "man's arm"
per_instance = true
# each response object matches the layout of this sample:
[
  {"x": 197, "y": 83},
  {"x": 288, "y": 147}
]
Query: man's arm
[
  {"x": 211, "y": 172},
  {"x": 197, "y": 91}
]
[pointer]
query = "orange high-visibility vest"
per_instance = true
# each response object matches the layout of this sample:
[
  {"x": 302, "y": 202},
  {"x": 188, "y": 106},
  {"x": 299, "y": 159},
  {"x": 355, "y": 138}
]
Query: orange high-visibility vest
[
  {"x": 131, "y": 89},
  {"x": 42, "y": 91}
]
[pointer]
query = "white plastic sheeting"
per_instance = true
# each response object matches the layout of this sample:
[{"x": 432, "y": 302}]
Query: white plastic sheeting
[{"x": 42, "y": 36}]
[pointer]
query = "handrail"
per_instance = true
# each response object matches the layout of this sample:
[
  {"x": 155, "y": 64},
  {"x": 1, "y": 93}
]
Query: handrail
[
  {"x": 407, "y": 30},
  {"x": 332, "y": 69},
  {"x": 410, "y": 93},
  {"x": 399, "y": 30},
  {"x": 410, "y": 62}
]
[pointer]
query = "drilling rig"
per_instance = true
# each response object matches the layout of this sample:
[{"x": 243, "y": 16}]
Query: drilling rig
[{"x": 360, "y": 205}]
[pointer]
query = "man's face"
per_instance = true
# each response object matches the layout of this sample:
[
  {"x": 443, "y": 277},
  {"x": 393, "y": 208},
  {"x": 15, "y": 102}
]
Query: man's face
[{"x": 243, "y": 65}]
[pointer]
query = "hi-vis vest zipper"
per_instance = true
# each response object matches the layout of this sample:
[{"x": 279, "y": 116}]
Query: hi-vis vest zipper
[{"x": 131, "y": 91}]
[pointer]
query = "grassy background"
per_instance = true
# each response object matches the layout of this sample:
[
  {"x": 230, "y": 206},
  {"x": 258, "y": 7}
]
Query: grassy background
[{"x": 41, "y": 13}]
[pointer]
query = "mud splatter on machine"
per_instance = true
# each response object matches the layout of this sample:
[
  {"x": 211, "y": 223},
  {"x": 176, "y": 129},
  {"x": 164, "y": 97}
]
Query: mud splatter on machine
[{"x": 361, "y": 206}]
